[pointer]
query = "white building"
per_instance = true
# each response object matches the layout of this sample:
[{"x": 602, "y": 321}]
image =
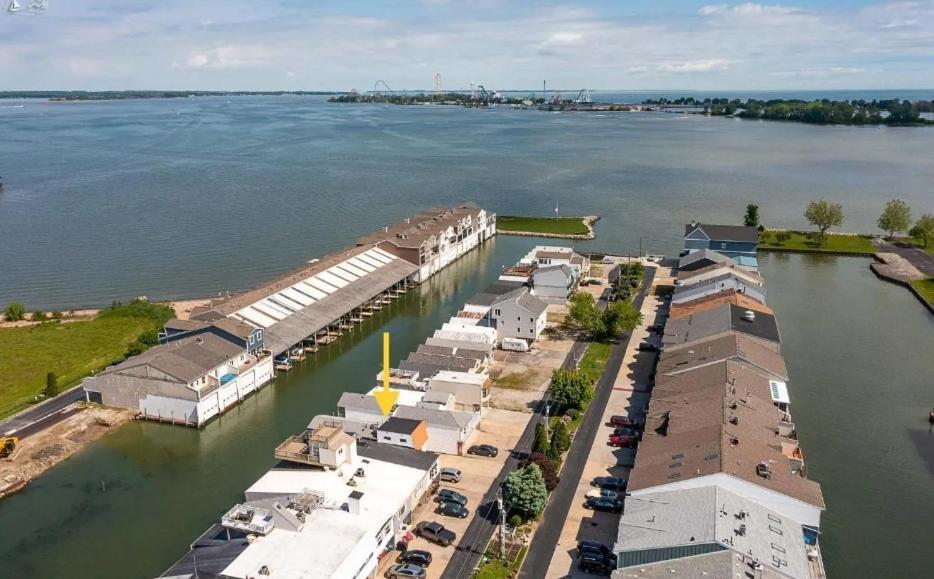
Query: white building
[
  {"x": 543, "y": 255},
  {"x": 553, "y": 283},
  {"x": 188, "y": 380},
  {"x": 726, "y": 281},
  {"x": 518, "y": 314},
  {"x": 471, "y": 390},
  {"x": 310, "y": 520}
]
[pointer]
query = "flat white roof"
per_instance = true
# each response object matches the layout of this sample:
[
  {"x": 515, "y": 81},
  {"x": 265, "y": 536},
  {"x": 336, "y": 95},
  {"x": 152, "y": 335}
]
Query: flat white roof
[
  {"x": 332, "y": 542},
  {"x": 463, "y": 377},
  {"x": 406, "y": 397},
  {"x": 779, "y": 391}
]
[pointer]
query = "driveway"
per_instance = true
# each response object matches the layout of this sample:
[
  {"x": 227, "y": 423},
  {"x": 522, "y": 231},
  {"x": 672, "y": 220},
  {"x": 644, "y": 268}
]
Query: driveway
[{"x": 919, "y": 258}]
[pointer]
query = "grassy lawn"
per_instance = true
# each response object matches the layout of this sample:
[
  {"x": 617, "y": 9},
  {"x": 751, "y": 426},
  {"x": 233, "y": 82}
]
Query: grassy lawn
[
  {"x": 499, "y": 569},
  {"x": 594, "y": 359},
  {"x": 926, "y": 288},
  {"x": 800, "y": 241},
  {"x": 71, "y": 350},
  {"x": 557, "y": 225}
]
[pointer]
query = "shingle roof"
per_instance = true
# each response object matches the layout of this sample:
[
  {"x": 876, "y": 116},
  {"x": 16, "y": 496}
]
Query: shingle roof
[
  {"x": 420, "y": 459},
  {"x": 703, "y": 254},
  {"x": 739, "y": 233},
  {"x": 450, "y": 419},
  {"x": 717, "y": 320},
  {"x": 734, "y": 345},
  {"x": 399, "y": 425},
  {"x": 525, "y": 300},
  {"x": 722, "y": 268},
  {"x": 729, "y": 296},
  {"x": 185, "y": 359},
  {"x": 358, "y": 402}
]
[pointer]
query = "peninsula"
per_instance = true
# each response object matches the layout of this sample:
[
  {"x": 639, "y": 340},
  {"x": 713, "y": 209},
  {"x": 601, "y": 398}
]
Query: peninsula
[{"x": 557, "y": 227}]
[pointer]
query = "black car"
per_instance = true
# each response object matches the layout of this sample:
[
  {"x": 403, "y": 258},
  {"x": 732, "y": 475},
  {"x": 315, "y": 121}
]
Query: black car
[
  {"x": 625, "y": 431},
  {"x": 595, "y": 563},
  {"x": 449, "y": 496},
  {"x": 648, "y": 347},
  {"x": 416, "y": 557},
  {"x": 657, "y": 328},
  {"x": 483, "y": 450},
  {"x": 593, "y": 547},
  {"x": 610, "y": 483},
  {"x": 452, "y": 510},
  {"x": 604, "y": 504},
  {"x": 436, "y": 533}
]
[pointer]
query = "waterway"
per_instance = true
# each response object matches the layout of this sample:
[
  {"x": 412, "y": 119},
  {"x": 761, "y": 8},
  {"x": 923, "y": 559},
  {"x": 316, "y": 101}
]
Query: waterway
[
  {"x": 862, "y": 381},
  {"x": 173, "y": 198}
]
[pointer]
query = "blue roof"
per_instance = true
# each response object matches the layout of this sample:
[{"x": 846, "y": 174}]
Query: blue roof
[{"x": 746, "y": 260}]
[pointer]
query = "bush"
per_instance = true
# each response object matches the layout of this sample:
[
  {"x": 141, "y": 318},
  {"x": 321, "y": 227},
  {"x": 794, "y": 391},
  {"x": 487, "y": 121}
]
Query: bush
[
  {"x": 150, "y": 338},
  {"x": 135, "y": 349},
  {"x": 549, "y": 470},
  {"x": 57, "y": 315},
  {"x": 51, "y": 384},
  {"x": 573, "y": 413},
  {"x": 570, "y": 389},
  {"x": 560, "y": 437},
  {"x": 515, "y": 521},
  {"x": 14, "y": 312},
  {"x": 39, "y": 316},
  {"x": 540, "y": 442}
]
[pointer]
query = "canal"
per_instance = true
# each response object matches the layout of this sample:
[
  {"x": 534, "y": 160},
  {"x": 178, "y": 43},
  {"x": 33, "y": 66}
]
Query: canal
[{"x": 858, "y": 351}]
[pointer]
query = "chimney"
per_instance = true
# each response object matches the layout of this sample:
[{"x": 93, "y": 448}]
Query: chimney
[
  {"x": 353, "y": 502},
  {"x": 385, "y": 229}
]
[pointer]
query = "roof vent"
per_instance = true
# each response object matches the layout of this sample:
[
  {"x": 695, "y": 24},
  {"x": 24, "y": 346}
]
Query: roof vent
[
  {"x": 734, "y": 420},
  {"x": 199, "y": 339},
  {"x": 764, "y": 470},
  {"x": 749, "y": 316}
]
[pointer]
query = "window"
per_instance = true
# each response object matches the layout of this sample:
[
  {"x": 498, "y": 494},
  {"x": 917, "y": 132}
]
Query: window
[
  {"x": 532, "y": 331},
  {"x": 775, "y": 519},
  {"x": 775, "y": 530},
  {"x": 497, "y": 312},
  {"x": 532, "y": 320},
  {"x": 778, "y": 548},
  {"x": 518, "y": 318}
]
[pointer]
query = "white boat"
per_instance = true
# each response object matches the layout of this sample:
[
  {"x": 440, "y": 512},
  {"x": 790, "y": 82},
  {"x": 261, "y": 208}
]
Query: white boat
[{"x": 13, "y": 6}]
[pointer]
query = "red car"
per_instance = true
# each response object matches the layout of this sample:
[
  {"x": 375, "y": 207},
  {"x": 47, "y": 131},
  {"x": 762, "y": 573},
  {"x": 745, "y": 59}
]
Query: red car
[
  {"x": 622, "y": 421},
  {"x": 622, "y": 441}
]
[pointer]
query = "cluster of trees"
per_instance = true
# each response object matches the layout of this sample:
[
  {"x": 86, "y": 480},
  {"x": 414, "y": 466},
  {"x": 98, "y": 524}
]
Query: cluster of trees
[
  {"x": 630, "y": 276},
  {"x": 430, "y": 98},
  {"x": 16, "y": 311},
  {"x": 895, "y": 218},
  {"x": 618, "y": 317},
  {"x": 82, "y": 95},
  {"x": 751, "y": 219},
  {"x": 525, "y": 493},
  {"x": 823, "y": 111}
]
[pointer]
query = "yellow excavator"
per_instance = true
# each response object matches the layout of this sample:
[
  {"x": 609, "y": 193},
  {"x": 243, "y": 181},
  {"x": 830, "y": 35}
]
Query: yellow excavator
[{"x": 8, "y": 445}]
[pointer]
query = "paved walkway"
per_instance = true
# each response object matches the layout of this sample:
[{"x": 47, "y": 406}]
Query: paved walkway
[
  {"x": 919, "y": 258},
  {"x": 551, "y": 530},
  {"x": 42, "y": 415},
  {"x": 894, "y": 266}
]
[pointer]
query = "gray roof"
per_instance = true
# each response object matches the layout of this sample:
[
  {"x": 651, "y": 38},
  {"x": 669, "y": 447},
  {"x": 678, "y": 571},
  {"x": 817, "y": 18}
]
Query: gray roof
[
  {"x": 397, "y": 455},
  {"x": 658, "y": 526},
  {"x": 359, "y": 402},
  {"x": 525, "y": 300},
  {"x": 450, "y": 419},
  {"x": 436, "y": 350},
  {"x": 563, "y": 268},
  {"x": 707, "y": 283},
  {"x": 493, "y": 291},
  {"x": 715, "y": 565},
  {"x": 235, "y": 327},
  {"x": 739, "y": 233},
  {"x": 717, "y": 320},
  {"x": 703, "y": 254},
  {"x": 399, "y": 425},
  {"x": 456, "y": 363},
  {"x": 185, "y": 359},
  {"x": 474, "y": 354}
]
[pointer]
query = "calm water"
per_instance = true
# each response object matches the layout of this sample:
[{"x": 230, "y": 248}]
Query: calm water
[
  {"x": 187, "y": 197},
  {"x": 184, "y": 198}
]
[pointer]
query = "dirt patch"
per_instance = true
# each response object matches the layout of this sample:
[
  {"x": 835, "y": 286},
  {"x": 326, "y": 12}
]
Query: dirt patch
[{"x": 39, "y": 452}]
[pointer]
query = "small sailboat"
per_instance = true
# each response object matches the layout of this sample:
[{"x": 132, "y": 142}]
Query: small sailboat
[{"x": 13, "y": 6}]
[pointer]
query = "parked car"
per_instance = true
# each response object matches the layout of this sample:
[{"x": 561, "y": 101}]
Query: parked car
[
  {"x": 622, "y": 441},
  {"x": 604, "y": 493},
  {"x": 612, "y": 483},
  {"x": 449, "y": 496},
  {"x": 594, "y": 547},
  {"x": 450, "y": 474},
  {"x": 406, "y": 571},
  {"x": 416, "y": 557},
  {"x": 483, "y": 450},
  {"x": 648, "y": 347},
  {"x": 595, "y": 563},
  {"x": 625, "y": 431},
  {"x": 657, "y": 328},
  {"x": 452, "y": 510},
  {"x": 623, "y": 421},
  {"x": 436, "y": 533},
  {"x": 604, "y": 504}
]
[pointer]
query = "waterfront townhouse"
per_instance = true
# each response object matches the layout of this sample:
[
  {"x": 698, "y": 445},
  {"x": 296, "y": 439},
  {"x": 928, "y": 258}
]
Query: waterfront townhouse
[
  {"x": 686, "y": 278},
  {"x": 733, "y": 346},
  {"x": 729, "y": 296},
  {"x": 729, "y": 280},
  {"x": 543, "y": 255},
  {"x": 330, "y": 508},
  {"x": 553, "y": 284},
  {"x": 730, "y": 240},
  {"x": 433, "y": 239},
  {"x": 518, "y": 314},
  {"x": 700, "y": 259},
  {"x": 719, "y": 320},
  {"x": 189, "y": 379}
]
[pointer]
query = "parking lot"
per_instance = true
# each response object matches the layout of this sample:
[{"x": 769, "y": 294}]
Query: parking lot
[
  {"x": 502, "y": 429},
  {"x": 630, "y": 397}
]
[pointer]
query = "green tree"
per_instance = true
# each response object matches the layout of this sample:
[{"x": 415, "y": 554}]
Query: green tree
[
  {"x": 923, "y": 229},
  {"x": 824, "y": 214},
  {"x": 751, "y": 219},
  {"x": 895, "y": 217},
  {"x": 540, "y": 443},
  {"x": 549, "y": 470},
  {"x": 560, "y": 436},
  {"x": 524, "y": 492},
  {"x": 14, "y": 312},
  {"x": 570, "y": 388},
  {"x": 584, "y": 314},
  {"x": 619, "y": 317},
  {"x": 51, "y": 384}
]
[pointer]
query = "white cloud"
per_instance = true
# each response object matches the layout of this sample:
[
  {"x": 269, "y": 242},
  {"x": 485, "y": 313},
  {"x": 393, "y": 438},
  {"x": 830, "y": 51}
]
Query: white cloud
[
  {"x": 747, "y": 9},
  {"x": 228, "y": 57},
  {"x": 691, "y": 66}
]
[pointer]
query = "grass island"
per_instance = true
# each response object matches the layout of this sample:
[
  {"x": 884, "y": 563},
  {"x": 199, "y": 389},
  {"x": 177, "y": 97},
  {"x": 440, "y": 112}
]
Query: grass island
[{"x": 565, "y": 227}]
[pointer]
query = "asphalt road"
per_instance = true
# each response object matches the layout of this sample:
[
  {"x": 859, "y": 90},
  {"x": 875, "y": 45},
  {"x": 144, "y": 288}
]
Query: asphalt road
[
  {"x": 473, "y": 542},
  {"x": 919, "y": 258},
  {"x": 42, "y": 415},
  {"x": 546, "y": 537}
]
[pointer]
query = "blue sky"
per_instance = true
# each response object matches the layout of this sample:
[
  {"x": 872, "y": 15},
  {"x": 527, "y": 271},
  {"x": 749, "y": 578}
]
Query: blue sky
[{"x": 502, "y": 44}]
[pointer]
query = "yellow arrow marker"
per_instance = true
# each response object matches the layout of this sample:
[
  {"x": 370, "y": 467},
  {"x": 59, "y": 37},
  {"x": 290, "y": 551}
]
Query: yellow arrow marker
[{"x": 386, "y": 398}]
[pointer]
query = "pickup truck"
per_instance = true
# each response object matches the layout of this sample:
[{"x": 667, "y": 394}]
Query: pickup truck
[{"x": 436, "y": 533}]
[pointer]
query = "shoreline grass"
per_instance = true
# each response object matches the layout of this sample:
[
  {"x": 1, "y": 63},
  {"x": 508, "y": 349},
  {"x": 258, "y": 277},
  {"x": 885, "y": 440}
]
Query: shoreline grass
[
  {"x": 807, "y": 242},
  {"x": 925, "y": 287},
  {"x": 71, "y": 350},
  {"x": 549, "y": 225}
]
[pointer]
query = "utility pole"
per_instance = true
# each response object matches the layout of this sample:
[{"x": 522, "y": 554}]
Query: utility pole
[{"x": 502, "y": 523}]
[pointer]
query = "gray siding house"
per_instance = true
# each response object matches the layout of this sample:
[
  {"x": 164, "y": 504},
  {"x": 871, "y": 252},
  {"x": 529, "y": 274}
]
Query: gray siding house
[
  {"x": 553, "y": 284},
  {"x": 730, "y": 240},
  {"x": 518, "y": 314}
]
